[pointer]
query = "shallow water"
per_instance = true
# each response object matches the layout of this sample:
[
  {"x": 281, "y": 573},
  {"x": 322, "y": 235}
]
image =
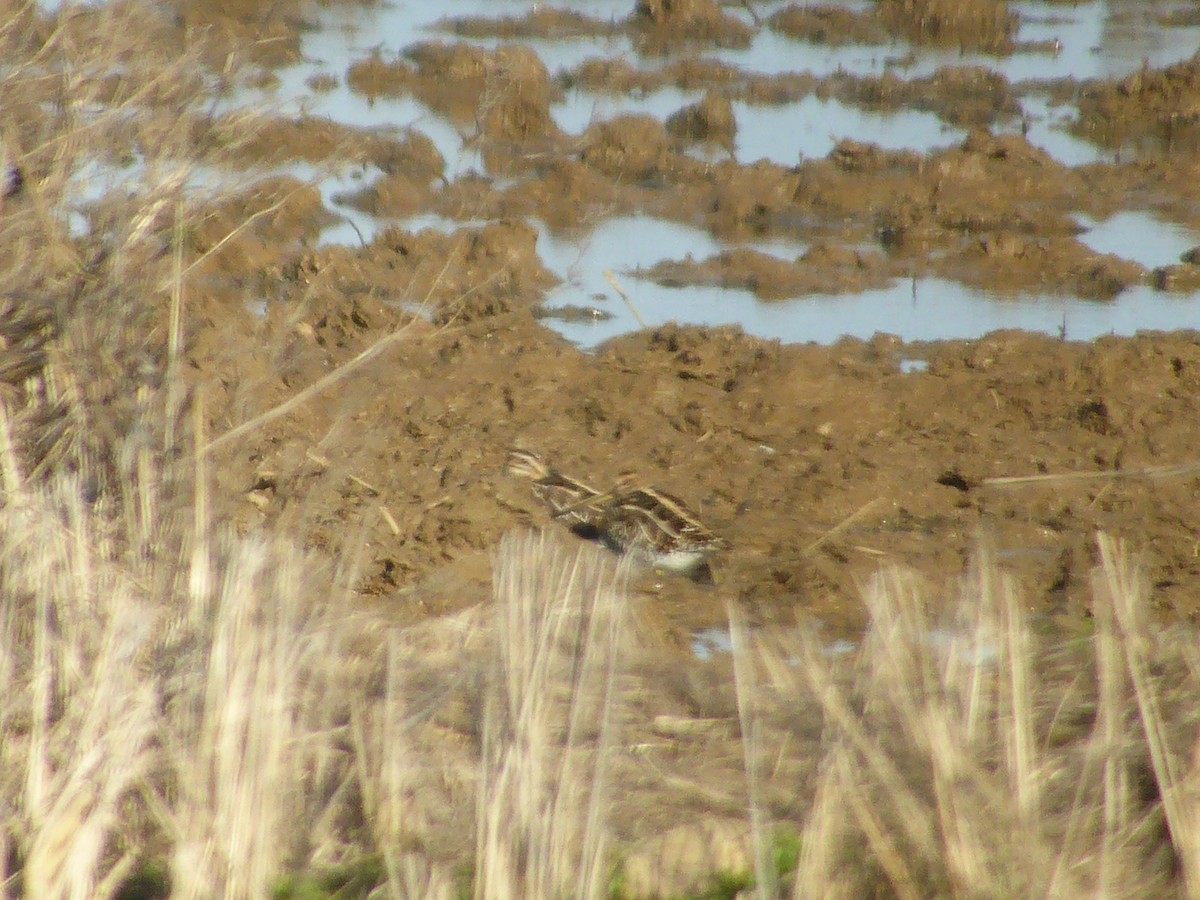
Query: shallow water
[{"x": 1097, "y": 39}]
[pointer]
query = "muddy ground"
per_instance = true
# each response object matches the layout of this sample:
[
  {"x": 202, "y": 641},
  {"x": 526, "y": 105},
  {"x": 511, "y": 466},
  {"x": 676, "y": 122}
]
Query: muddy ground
[{"x": 818, "y": 464}]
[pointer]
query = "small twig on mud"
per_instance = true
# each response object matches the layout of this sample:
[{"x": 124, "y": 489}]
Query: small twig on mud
[
  {"x": 349, "y": 221},
  {"x": 366, "y": 485},
  {"x": 612, "y": 279},
  {"x": 1151, "y": 472},
  {"x": 841, "y": 526},
  {"x": 390, "y": 519}
]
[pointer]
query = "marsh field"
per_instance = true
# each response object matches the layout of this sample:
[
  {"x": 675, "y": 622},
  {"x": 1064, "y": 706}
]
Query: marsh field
[{"x": 274, "y": 619}]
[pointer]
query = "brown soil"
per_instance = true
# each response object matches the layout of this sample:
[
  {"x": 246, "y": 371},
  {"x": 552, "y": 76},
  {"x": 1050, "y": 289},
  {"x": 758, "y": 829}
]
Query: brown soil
[{"x": 819, "y": 464}]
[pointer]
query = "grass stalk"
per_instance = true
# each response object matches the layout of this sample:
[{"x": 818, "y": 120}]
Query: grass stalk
[{"x": 548, "y": 722}]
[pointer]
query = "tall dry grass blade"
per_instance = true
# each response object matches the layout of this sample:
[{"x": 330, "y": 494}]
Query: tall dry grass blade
[
  {"x": 965, "y": 854},
  {"x": 744, "y": 681},
  {"x": 960, "y": 670},
  {"x": 110, "y": 750},
  {"x": 1017, "y": 657},
  {"x": 10, "y": 466},
  {"x": 901, "y": 877},
  {"x": 238, "y": 771},
  {"x": 174, "y": 384},
  {"x": 201, "y": 585},
  {"x": 389, "y": 777},
  {"x": 11, "y": 691},
  {"x": 911, "y": 811},
  {"x": 594, "y": 858},
  {"x": 822, "y": 832},
  {"x": 548, "y": 722},
  {"x": 595, "y": 671},
  {"x": 1126, "y": 587},
  {"x": 88, "y": 704},
  {"x": 1105, "y": 750},
  {"x": 1025, "y": 766}
]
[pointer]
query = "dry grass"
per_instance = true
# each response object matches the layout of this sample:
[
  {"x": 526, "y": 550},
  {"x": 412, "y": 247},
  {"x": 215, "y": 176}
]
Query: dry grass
[
  {"x": 977, "y": 758},
  {"x": 241, "y": 727},
  {"x": 222, "y": 706},
  {"x": 549, "y": 724}
]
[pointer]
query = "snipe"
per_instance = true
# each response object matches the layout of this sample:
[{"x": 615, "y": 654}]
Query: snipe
[{"x": 655, "y": 527}]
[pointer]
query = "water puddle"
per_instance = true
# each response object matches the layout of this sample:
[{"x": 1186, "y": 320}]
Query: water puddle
[
  {"x": 771, "y": 53},
  {"x": 811, "y": 128},
  {"x": 923, "y": 310},
  {"x": 1046, "y": 128},
  {"x": 1085, "y": 40},
  {"x": 710, "y": 642},
  {"x": 1140, "y": 237}
]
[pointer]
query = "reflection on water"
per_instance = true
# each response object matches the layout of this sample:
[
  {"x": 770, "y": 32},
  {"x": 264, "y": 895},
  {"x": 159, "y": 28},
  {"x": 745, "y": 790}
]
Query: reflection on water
[
  {"x": 1140, "y": 237},
  {"x": 1083, "y": 40},
  {"x": 927, "y": 309}
]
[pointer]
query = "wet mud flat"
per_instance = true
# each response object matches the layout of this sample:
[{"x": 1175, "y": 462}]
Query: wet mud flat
[{"x": 819, "y": 464}]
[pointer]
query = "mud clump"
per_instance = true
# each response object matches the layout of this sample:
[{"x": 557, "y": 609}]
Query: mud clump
[
  {"x": 825, "y": 269},
  {"x": 282, "y": 140},
  {"x": 506, "y": 93},
  {"x": 971, "y": 25},
  {"x": 542, "y": 23},
  {"x": 1045, "y": 265},
  {"x": 569, "y": 196},
  {"x": 271, "y": 37},
  {"x": 711, "y": 121},
  {"x": 753, "y": 200},
  {"x": 465, "y": 276},
  {"x": 965, "y": 96},
  {"x": 1150, "y": 109},
  {"x": 610, "y": 76},
  {"x": 985, "y": 25},
  {"x": 239, "y": 237},
  {"x": 661, "y": 25},
  {"x": 1182, "y": 277},
  {"x": 627, "y": 147},
  {"x": 829, "y": 26},
  {"x": 411, "y": 169}
]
